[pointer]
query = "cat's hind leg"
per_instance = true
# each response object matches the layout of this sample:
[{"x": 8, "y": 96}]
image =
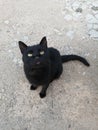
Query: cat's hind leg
[
  {"x": 58, "y": 73},
  {"x": 33, "y": 87}
]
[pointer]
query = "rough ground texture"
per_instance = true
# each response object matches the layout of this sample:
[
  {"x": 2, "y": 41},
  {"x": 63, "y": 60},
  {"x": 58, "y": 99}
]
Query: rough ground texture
[{"x": 72, "y": 101}]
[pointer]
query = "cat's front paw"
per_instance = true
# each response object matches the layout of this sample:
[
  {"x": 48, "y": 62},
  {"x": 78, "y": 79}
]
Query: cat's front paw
[
  {"x": 33, "y": 87},
  {"x": 42, "y": 95}
]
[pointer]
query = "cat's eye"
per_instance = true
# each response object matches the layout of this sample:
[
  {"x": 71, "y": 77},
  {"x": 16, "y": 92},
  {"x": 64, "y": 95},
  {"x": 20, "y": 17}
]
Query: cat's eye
[
  {"x": 42, "y": 52},
  {"x": 30, "y": 54}
]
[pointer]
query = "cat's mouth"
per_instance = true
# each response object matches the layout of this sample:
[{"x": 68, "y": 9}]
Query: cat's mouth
[{"x": 37, "y": 65}]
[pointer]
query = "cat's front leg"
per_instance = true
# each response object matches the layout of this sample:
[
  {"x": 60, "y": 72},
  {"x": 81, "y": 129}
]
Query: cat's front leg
[{"x": 43, "y": 91}]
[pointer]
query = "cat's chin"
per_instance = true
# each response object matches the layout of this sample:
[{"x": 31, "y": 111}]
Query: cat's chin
[
  {"x": 38, "y": 63},
  {"x": 37, "y": 66}
]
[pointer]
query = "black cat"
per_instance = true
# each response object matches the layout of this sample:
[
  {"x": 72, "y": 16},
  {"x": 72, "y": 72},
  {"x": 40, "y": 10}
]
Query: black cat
[{"x": 42, "y": 64}]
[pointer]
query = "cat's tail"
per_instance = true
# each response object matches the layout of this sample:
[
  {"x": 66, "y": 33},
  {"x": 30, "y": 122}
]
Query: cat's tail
[{"x": 66, "y": 58}]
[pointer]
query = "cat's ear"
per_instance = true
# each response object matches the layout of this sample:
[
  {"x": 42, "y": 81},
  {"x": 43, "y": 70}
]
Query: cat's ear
[
  {"x": 22, "y": 46},
  {"x": 43, "y": 42}
]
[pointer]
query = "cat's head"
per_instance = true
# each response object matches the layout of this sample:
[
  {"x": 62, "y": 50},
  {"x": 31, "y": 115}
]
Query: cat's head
[{"x": 34, "y": 56}]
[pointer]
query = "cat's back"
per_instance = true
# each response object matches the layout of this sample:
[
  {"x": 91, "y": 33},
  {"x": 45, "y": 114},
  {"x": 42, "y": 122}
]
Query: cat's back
[
  {"x": 53, "y": 51},
  {"x": 54, "y": 54},
  {"x": 56, "y": 63}
]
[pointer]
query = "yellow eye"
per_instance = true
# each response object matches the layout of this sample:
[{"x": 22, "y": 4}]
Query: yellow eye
[
  {"x": 42, "y": 52},
  {"x": 30, "y": 54}
]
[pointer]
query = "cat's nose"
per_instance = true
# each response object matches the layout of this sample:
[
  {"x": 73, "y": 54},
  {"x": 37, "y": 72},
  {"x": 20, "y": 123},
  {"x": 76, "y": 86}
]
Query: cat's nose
[{"x": 36, "y": 57}]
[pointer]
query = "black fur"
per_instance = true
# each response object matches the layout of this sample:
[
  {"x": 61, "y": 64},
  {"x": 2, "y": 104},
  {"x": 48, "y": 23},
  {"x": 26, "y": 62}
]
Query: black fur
[{"x": 41, "y": 69}]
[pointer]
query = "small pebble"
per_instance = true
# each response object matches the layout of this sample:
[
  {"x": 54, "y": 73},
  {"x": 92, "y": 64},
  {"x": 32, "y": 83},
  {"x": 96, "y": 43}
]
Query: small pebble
[
  {"x": 6, "y": 22},
  {"x": 15, "y": 60},
  {"x": 95, "y": 8},
  {"x": 15, "y": 40},
  {"x": 96, "y": 17},
  {"x": 76, "y": 5},
  {"x": 95, "y": 3},
  {"x": 84, "y": 73},
  {"x": 69, "y": 126},
  {"x": 93, "y": 33},
  {"x": 11, "y": 55},
  {"x": 95, "y": 26},
  {"x": 57, "y": 31},
  {"x": 8, "y": 31},
  {"x": 70, "y": 34},
  {"x": 25, "y": 38},
  {"x": 20, "y": 62},
  {"x": 14, "y": 27},
  {"x": 0, "y": 96},
  {"x": 18, "y": 32},
  {"x": 95, "y": 56},
  {"x": 68, "y": 17},
  {"x": 91, "y": 19},
  {"x": 88, "y": 102},
  {"x": 79, "y": 10},
  {"x": 83, "y": 38},
  {"x": 9, "y": 51},
  {"x": 89, "y": 26},
  {"x": 14, "y": 44},
  {"x": 2, "y": 90},
  {"x": 87, "y": 54}
]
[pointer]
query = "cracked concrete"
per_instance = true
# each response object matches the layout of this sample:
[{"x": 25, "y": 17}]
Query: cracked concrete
[{"x": 71, "y": 26}]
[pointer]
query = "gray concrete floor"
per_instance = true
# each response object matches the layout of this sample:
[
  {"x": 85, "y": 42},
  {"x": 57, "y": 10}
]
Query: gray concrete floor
[{"x": 71, "y": 26}]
